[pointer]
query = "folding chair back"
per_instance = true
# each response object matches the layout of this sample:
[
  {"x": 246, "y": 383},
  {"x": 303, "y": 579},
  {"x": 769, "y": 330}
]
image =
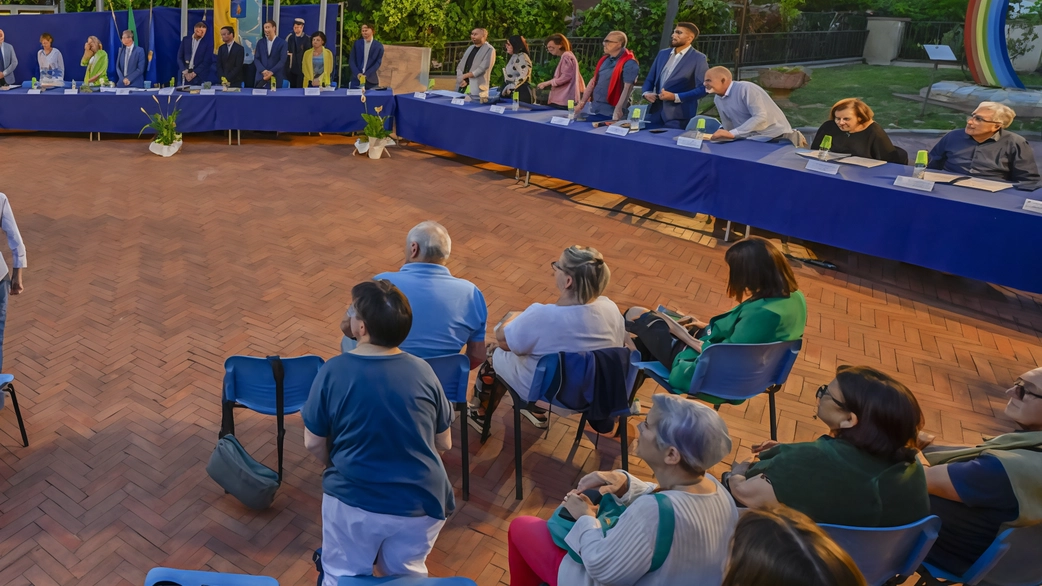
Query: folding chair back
[
  {"x": 881, "y": 553},
  {"x": 1011, "y": 560},
  {"x": 194, "y": 578},
  {"x": 453, "y": 372},
  {"x": 742, "y": 371},
  {"x": 712, "y": 124},
  {"x": 403, "y": 581},
  {"x": 248, "y": 381}
]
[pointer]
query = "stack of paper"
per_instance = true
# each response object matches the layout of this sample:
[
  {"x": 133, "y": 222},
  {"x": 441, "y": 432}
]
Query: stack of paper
[{"x": 817, "y": 155}]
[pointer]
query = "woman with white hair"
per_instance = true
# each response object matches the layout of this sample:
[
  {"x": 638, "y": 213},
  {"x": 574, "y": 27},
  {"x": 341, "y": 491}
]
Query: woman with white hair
[
  {"x": 96, "y": 60},
  {"x": 679, "y": 440},
  {"x": 986, "y": 149}
]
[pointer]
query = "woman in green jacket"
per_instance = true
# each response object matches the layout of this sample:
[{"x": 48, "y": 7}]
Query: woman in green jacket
[
  {"x": 770, "y": 309},
  {"x": 96, "y": 60}
]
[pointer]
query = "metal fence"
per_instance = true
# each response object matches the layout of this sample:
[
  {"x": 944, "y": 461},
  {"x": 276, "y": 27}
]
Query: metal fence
[
  {"x": 830, "y": 21},
  {"x": 760, "y": 49},
  {"x": 918, "y": 34}
]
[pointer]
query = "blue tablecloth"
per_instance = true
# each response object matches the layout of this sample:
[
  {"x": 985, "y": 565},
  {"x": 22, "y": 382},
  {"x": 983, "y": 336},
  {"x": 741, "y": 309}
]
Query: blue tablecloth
[
  {"x": 286, "y": 110},
  {"x": 966, "y": 232}
]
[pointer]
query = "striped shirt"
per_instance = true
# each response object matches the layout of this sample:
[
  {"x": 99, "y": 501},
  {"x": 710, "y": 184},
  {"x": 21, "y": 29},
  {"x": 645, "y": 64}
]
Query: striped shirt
[{"x": 701, "y": 538}]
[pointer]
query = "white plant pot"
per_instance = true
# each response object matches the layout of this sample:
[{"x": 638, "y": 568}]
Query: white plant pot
[
  {"x": 361, "y": 146},
  {"x": 163, "y": 150},
  {"x": 377, "y": 146}
]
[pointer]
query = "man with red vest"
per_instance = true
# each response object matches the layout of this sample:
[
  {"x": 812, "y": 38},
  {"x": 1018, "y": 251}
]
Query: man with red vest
[{"x": 609, "y": 91}]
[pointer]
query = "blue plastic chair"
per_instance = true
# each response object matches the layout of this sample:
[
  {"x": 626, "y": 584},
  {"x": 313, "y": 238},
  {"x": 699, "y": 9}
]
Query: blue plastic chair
[
  {"x": 547, "y": 382},
  {"x": 453, "y": 372},
  {"x": 403, "y": 581},
  {"x": 195, "y": 578},
  {"x": 732, "y": 373},
  {"x": 249, "y": 383},
  {"x": 285, "y": 84},
  {"x": 881, "y": 553},
  {"x": 7, "y": 386},
  {"x": 712, "y": 124},
  {"x": 27, "y": 84},
  {"x": 332, "y": 84},
  {"x": 1011, "y": 560}
]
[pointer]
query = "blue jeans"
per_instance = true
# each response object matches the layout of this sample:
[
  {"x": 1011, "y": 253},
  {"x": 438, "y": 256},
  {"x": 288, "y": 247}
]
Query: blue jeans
[{"x": 5, "y": 293}]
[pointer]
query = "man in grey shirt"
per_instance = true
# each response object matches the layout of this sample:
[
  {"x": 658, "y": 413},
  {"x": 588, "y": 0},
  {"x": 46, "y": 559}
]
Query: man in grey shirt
[
  {"x": 8, "y": 62},
  {"x": 746, "y": 111},
  {"x": 475, "y": 68},
  {"x": 609, "y": 91},
  {"x": 987, "y": 150}
]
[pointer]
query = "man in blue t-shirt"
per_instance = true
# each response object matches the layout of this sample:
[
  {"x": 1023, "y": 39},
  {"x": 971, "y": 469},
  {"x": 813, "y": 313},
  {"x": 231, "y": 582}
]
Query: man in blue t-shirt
[
  {"x": 378, "y": 418},
  {"x": 448, "y": 312},
  {"x": 978, "y": 492}
]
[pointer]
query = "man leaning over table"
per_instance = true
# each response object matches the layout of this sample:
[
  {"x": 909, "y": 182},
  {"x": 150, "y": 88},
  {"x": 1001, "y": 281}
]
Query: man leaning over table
[
  {"x": 674, "y": 82},
  {"x": 270, "y": 58},
  {"x": 475, "y": 68},
  {"x": 130, "y": 64},
  {"x": 609, "y": 91},
  {"x": 8, "y": 62},
  {"x": 987, "y": 150},
  {"x": 746, "y": 111}
]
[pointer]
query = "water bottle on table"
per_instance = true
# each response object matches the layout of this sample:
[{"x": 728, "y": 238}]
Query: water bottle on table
[
  {"x": 700, "y": 129},
  {"x": 823, "y": 149},
  {"x": 635, "y": 120},
  {"x": 920, "y": 165},
  {"x": 571, "y": 109}
]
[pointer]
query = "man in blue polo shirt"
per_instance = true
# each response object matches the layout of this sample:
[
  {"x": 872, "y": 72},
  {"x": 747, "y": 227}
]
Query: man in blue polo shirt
[{"x": 448, "y": 312}]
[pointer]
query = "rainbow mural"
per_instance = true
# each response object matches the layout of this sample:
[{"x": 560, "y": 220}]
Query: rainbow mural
[{"x": 986, "y": 52}]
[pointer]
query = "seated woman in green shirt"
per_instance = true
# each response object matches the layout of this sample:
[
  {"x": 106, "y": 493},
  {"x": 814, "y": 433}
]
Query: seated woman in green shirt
[
  {"x": 864, "y": 473},
  {"x": 770, "y": 309}
]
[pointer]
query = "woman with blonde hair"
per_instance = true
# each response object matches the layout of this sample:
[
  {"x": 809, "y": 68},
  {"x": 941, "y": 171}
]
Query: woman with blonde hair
[
  {"x": 854, "y": 132},
  {"x": 96, "y": 60}
]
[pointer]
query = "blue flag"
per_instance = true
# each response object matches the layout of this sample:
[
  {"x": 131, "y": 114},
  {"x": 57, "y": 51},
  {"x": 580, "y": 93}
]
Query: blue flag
[
  {"x": 150, "y": 71},
  {"x": 113, "y": 49}
]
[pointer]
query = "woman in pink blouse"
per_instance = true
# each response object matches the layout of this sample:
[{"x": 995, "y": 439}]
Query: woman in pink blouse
[{"x": 567, "y": 83}]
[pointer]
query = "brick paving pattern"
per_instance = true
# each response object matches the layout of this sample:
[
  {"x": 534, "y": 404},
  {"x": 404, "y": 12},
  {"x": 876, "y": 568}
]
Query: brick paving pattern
[{"x": 146, "y": 273}]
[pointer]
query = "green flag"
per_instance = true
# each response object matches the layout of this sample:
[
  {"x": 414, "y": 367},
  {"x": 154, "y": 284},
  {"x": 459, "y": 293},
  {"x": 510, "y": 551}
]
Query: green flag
[{"x": 131, "y": 26}]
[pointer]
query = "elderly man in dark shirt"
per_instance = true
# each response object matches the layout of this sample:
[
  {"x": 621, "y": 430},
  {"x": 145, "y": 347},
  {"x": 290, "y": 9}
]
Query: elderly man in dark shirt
[{"x": 987, "y": 150}]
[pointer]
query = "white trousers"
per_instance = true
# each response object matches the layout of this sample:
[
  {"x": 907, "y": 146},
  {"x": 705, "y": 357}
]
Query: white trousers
[{"x": 354, "y": 540}]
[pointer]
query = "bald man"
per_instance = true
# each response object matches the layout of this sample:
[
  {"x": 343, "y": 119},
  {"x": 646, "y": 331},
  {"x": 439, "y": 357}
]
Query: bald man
[
  {"x": 474, "y": 71},
  {"x": 746, "y": 111},
  {"x": 978, "y": 492},
  {"x": 8, "y": 62},
  {"x": 608, "y": 93}
]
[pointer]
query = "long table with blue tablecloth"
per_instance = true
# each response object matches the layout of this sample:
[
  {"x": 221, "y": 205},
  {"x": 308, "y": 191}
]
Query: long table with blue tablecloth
[
  {"x": 963, "y": 231},
  {"x": 285, "y": 110}
]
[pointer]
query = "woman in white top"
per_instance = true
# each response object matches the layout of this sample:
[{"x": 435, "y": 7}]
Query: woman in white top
[
  {"x": 580, "y": 320},
  {"x": 518, "y": 73},
  {"x": 52, "y": 67},
  {"x": 679, "y": 440}
]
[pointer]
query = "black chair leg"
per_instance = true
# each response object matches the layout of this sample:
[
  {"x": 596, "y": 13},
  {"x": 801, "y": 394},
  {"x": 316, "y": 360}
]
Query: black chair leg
[
  {"x": 18, "y": 415},
  {"x": 518, "y": 491},
  {"x": 623, "y": 433},
  {"x": 464, "y": 447},
  {"x": 774, "y": 417},
  {"x": 227, "y": 419},
  {"x": 582, "y": 428}
]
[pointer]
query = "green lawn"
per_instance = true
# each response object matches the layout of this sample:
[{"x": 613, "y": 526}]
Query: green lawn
[{"x": 876, "y": 86}]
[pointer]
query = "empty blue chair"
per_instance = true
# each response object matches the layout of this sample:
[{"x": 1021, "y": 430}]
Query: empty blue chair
[
  {"x": 403, "y": 581},
  {"x": 712, "y": 124},
  {"x": 1011, "y": 560},
  {"x": 453, "y": 372},
  {"x": 249, "y": 382},
  {"x": 732, "y": 373},
  {"x": 547, "y": 383},
  {"x": 881, "y": 553},
  {"x": 332, "y": 84},
  {"x": 285, "y": 84},
  {"x": 195, "y": 578},
  {"x": 7, "y": 387},
  {"x": 27, "y": 84}
]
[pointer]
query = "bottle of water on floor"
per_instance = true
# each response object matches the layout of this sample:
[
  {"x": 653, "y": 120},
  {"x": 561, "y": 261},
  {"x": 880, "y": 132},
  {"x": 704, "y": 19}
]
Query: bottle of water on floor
[{"x": 920, "y": 165}]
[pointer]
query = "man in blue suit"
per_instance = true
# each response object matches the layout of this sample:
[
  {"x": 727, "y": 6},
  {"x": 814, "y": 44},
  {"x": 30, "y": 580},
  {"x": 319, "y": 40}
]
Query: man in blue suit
[
  {"x": 367, "y": 56},
  {"x": 195, "y": 57},
  {"x": 675, "y": 81},
  {"x": 270, "y": 57},
  {"x": 130, "y": 63}
]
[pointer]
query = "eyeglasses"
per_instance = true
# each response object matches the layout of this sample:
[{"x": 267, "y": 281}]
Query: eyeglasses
[
  {"x": 610, "y": 41},
  {"x": 823, "y": 390},
  {"x": 1020, "y": 390},
  {"x": 978, "y": 118},
  {"x": 557, "y": 266}
]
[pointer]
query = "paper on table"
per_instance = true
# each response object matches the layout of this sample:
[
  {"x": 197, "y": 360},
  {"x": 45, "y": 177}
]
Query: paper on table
[
  {"x": 942, "y": 177},
  {"x": 817, "y": 155},
  {"x": 983, "y": 184},
  {"x": 445, "y": 93},
  {"x": 862, "y": 162}
]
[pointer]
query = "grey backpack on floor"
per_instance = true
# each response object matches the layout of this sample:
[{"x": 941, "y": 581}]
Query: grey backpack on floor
[{"x": 232, "y": 467}]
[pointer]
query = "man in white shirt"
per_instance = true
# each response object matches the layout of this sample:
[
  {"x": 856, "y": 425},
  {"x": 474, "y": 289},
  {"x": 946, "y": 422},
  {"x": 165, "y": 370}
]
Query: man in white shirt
[
  {"x": 8, "y": 62},
  {"x": 746, "y": 111},
  {"x": 12, "y": 281}
]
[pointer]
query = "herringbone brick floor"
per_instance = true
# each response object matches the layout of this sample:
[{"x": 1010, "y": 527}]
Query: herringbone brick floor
[{"x": 145, "y": 274}]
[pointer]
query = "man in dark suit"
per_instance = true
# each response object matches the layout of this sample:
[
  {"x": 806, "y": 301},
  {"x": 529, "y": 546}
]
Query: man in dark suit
[
  {"x": 367, "y": 56},
  {"x": 296, "y": 44},
  {"x": 130, "y": 63},
  {"x": 230, "y": 58},
  {"x": 675, "y": 81},
  {"x": 270, "y": 58},
  {"x": 195, "y": 58}
]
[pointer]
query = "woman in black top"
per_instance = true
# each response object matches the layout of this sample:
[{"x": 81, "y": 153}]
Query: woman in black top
[{"x": 854, "y": 132}]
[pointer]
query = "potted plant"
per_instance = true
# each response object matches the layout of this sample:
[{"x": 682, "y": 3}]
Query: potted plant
[
  {"x": 376, "y": 134},
  {"x": 781, "y": 81},
  {"x": 167, "y": 140}
]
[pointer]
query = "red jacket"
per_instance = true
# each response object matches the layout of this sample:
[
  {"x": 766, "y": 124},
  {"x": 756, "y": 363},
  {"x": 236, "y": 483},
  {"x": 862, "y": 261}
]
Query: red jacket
[{"x": 615, "y": 85}]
